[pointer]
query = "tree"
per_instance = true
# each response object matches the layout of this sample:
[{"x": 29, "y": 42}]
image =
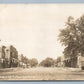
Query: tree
[
  {"x": 24, "y": 59},
  {"x": 72, "y": 37},
  {"x": 58, "y": 59},
  {"x": 48, "y": 62},
  {"x": 33, "y": 62}
]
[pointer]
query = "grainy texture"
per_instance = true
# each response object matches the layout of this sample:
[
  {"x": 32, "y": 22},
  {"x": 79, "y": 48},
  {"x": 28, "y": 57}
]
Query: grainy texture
[{"x": 41, "y": 73}]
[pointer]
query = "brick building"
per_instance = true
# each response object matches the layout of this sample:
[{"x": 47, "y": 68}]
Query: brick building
[
  {"x": 8, "y": 57},
  {"x": 12, "y": 56},
  {"x": 2, "y": 57}
]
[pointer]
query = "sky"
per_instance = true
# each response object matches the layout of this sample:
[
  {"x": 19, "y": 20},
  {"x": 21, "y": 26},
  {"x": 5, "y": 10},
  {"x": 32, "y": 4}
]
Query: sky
[{"x": 34, "y": 28}]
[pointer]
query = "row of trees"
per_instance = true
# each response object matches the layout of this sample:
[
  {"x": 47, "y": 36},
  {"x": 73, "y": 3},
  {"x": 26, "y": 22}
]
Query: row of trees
[
  {"x": 31, "y": 62},
  {"x": 48, "y": 62}
]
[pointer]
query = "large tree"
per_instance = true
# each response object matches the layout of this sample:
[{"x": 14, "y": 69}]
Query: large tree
[{"x": 72, "y": 37}]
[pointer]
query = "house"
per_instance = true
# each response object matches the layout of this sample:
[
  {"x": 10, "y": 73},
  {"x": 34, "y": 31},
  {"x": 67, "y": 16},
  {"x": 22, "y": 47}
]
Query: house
[
  {"x": 2, "y": 57},
  {"x": 11, "y": 55}
]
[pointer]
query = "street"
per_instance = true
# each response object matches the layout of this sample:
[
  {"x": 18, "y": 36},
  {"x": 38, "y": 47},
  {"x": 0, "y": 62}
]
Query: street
[{"x": 41, "y": 73}]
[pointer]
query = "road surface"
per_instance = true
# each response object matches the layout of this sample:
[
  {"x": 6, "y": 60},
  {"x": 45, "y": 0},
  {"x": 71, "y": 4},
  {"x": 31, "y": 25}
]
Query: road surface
[{"x": 41, "y": 73}]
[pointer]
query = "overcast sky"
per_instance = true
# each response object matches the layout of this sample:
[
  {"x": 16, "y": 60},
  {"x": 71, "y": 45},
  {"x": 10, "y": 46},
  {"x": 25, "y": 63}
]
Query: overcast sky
[{"x": 33, "y": 28}]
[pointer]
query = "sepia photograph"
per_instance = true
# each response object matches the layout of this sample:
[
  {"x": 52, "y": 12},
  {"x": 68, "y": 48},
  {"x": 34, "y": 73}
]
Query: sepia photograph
[{"x": 41, "y": 42}]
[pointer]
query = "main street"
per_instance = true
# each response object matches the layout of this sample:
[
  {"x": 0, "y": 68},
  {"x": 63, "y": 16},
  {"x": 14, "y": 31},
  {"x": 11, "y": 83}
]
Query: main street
[{"x": 41, "y": 73}]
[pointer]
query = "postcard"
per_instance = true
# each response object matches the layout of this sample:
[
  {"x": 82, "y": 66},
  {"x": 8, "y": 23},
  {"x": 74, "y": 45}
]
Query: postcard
[{"x": 41, "y": 42}]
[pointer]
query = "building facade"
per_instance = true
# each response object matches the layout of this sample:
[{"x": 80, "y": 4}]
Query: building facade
[
  {"x": 2, "y": 57},
  {"x": 12, "y": 56},
  {"x": 8, "y": 57}
]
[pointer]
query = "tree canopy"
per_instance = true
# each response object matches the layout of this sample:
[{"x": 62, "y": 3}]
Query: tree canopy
[{"x": 72, "y": 36}]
